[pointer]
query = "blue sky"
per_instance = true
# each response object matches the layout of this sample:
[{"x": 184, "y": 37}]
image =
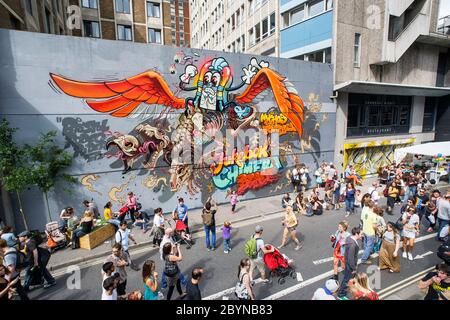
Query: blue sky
[{"x": 444, "y": 9}]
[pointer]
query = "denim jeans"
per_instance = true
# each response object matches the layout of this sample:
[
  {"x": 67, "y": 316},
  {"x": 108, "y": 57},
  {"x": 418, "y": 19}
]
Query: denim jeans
[
  {"x": 369, "y": 242},
  {"x": 44, "y": 272},
  {"x": 164, "y": 281},
  {"x": 212, "y": 230},
  {"x": 226, "y": 244},
  {"x": 350, "y": 205},
  {"x": 442, "y": 224},
  {"x": 78, "y": 233}
]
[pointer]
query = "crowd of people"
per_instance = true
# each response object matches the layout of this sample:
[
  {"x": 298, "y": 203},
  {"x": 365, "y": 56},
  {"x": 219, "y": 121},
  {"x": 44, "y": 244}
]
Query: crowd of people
[{"x": 389, "y": 240}]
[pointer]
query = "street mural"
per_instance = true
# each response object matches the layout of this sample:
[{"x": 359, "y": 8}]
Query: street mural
[
  {"x": 213, "y": 108},
  {"x": 367, "y": 157}
]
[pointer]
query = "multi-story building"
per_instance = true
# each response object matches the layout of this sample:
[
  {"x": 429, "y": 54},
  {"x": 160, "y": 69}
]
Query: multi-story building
[
  {"x": 249, "y": 26},
  {"x": 306, "y": 30},
  {"x": 46, "y": 16},
  {"x": 391, "y": 71},
  {"x": 155, "y": 21}
]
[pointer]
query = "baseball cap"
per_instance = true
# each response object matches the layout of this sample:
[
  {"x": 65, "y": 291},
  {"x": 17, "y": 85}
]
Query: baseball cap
[
  {"x": 24, "y": 234},
  {"x": 332, "y": 285},
  {"x": 258, "y": 229}
]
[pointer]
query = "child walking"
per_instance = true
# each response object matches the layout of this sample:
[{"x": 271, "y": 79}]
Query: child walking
[
  {"x": 226, "y": 233},
  {"x": 233, "y": 201}
]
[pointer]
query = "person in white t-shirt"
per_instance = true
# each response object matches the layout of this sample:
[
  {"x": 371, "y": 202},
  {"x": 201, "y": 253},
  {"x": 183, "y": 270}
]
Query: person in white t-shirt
[
  {"x": 374, "y": 195},
  {"x": 328, "y": 292},
  {"x": 122, "y": 236}
]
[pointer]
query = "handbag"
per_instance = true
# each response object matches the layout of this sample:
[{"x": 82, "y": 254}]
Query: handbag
[{"x": 240, "y": 290}]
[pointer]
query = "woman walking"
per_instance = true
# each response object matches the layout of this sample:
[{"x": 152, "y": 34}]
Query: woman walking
[
  {"x": 244, "y": 288},
  {"x": 150, "y": 277},
  {"x": 389, "y": 258},
  {"x": 392, "y": 195},
  {"x": 338, "y": 240},
  {"x": 349, "y": 195},
  {"x": 290, "y": 223},
  {"x": 158, "y": 227},
  {"x": 171, "y": 269},
  {"x": 410, "y": 221}
]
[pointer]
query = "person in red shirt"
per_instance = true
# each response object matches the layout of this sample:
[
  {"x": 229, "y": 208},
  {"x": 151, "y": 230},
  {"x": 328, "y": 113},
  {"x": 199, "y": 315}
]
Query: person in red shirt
[
  {"x": 359, "y": 288},
  {"x": 131, "y": 204}
]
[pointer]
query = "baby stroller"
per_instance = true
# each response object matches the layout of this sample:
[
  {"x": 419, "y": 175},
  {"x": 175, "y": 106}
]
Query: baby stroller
[
  {"x": 279, "y": 265},
  {"x": 181, "y": 236},
  {"x": 56, "y": 239}
]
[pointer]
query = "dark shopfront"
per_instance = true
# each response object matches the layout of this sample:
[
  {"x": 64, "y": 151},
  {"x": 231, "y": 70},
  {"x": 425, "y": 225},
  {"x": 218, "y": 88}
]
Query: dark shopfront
[{"x": 371, "y": 115}]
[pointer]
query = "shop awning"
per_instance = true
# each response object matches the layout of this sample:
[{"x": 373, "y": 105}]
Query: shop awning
[
  {"x": 383, "y": 88},
  {"x": 426, "y": 149}
]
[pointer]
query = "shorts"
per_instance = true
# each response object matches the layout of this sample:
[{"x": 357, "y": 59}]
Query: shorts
[
  {"x": 258, "y": 263},
  {"x": 290, "y": 229}
]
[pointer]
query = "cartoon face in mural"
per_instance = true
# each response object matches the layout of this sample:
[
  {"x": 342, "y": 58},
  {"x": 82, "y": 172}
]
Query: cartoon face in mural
[{"x": 213, "y": 107}]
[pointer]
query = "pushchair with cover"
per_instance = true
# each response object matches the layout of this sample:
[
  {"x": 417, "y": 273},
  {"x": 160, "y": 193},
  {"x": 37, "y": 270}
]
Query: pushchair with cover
[
  {"x": 279, "y": 265},
  {"x": 56, "y": 239},
  {"x": 181, "y": 235}
]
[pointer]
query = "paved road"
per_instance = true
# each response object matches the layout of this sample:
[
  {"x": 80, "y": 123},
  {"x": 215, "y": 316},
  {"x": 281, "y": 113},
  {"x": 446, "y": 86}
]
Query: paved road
[{"x": 221, "y": 268}]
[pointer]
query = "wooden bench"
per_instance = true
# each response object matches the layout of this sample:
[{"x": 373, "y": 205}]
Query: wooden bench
[{"x": 97, "y": 236}]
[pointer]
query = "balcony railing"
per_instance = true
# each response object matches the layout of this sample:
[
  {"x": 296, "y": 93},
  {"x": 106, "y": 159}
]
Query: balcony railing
[{"x": 444, "y": 25}]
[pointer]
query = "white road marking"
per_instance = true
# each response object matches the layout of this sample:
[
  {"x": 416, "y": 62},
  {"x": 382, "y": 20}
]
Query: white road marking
[
  {"x": 299, "y": 277},
  {"x": 420, "y": 256},
  {"x": 226, "y": 292},
  {"x": 325, "y": 260}
]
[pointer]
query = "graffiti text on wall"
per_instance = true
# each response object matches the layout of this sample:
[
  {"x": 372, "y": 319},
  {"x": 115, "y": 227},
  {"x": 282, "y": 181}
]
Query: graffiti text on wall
[
  {"x": 273, "y": 121},
  {"x": 85, "y": 137}
]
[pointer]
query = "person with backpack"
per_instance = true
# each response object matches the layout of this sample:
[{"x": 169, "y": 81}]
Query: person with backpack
[
  {"x": 209, "y": 224},
  {"x": 172, "y": 256},
  {"x": 244, "y": 287},
  {"x": 37, "y": 259},
  {"x": 255, "y": 250},
  {"x": 14, "y": 262},
  {"x": 122, "y": 236}
]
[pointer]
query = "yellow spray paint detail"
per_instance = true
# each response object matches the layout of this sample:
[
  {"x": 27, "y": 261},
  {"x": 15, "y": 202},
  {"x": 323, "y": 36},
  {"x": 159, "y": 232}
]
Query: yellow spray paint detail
[
  {"x": 153, "y": 181},
  {"x": 113, "y": 194},
  {"x": 86, "y": 182}
]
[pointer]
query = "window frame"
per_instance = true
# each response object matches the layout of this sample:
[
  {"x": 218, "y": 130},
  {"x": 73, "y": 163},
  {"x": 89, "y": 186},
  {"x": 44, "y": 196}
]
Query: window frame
[
  {"x": 125, "y": 27},
  {"x": 123, "y": 6},
  {"x": 89, "y": 6},
  {"x": 91, "y": 22},
  {"x": 153, "y": 5},
  {"x": 357, "y": 51}
]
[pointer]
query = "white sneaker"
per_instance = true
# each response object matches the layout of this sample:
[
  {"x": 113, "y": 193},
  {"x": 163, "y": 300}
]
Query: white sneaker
[
  {"x": 404, "y": 255},
  {"x": 410, "y": 257}
]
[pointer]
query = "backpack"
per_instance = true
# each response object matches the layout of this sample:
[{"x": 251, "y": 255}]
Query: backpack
[
  {"x": 207, "y": 217},
  {"x": 250, "y": 248},
  {"x": 21, "y": 259},
  {"x": 386, "y": 192},
  {"x": 240, "y": 290}
]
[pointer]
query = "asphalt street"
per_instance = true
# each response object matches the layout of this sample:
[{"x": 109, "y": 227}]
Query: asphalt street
[{"x": 220, "y": 277}]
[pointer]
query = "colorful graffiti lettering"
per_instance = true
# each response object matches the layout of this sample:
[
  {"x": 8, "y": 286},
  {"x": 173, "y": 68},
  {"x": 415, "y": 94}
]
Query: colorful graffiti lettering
[{"x": 273, "y": 122}]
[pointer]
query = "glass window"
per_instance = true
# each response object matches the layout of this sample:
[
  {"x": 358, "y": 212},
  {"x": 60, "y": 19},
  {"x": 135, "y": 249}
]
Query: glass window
[
  {"x": 297, "y": 15},
  {"x": 373, "y": 116},
  {"x": 48, "y": 22},
  {"x": 153, "y": 10},
  {"x": 329, "y": 5},
  {"x": 123, "y": 6},
  {"x": 124, "y": 33},
  {"x": 89, "y": 4},
  {"x": 29, "y": 6},
  {"x": 265, "y": 28},
  {"x": 316, "y": 7},
  {"x": 257, "y": 33},
  {"x": 429, "y": 114},
  {"x": 91, "y": 29},
  {"x": 251, "y": 37},
  {"x": 272, "y": 23},
  {"x": 352, "y": 118},
  {"x": 154, "y": 35},
  {"x": 328, "y": 55},
  {"x": 357, "y": 51},
  {"x": 387, "y": 116}
]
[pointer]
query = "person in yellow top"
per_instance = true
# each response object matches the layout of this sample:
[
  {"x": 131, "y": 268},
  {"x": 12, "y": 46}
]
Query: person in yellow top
[
  {"x": 290, "y": 223},
  {"x": 109, "y": 215},
  {"x": 392, "y": 196},
  {"x": 369, "y": 220}
]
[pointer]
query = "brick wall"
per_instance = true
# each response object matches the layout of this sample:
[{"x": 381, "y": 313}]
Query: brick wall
[
  {"x": 139, "y": 11},
  {"x": 140, "y": 33},
  {"x": 108, "y": 30},
  {"x": 107, "y": 9}
]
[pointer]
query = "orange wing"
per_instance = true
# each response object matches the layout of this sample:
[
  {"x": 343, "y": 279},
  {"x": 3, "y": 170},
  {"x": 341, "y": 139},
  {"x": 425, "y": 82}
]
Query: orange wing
[
  {"x": 289, "y": 102},
  {"x": 120, "y": 98}
]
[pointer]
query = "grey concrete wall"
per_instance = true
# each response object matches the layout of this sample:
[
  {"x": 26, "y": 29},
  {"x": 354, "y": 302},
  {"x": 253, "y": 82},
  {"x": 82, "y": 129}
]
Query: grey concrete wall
[{"x": 31, "y": 102}]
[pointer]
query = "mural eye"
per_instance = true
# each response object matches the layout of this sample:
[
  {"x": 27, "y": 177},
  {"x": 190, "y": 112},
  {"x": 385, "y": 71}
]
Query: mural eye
[{"x": 214, "y": 81}]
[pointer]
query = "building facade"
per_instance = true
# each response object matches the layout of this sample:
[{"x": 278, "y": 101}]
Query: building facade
[
  {"x": 143, "y": 21},
  {"x": 391, "y": 78},
  {"x": 249, "y": 26},
  {"x": 390, "y": 60},
  {"x": 45, "y": 16}
]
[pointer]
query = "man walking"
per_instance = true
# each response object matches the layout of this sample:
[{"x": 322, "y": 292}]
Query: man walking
[
  {"x": 257, "y": 262},
  {"x": 351, "y": 260},
  {"x": 192, "y": 289},
  {"x": 369, "y": 224},
  {"x": 11, "y": 261},
  {"x": 122, "y": 236},
  {"x": 120, "y": 261},
  {"x": 37, "y": 258}
]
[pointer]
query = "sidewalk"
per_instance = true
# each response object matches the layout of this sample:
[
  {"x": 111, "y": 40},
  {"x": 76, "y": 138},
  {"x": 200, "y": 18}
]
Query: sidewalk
[{"x": 245, "y": 210}]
